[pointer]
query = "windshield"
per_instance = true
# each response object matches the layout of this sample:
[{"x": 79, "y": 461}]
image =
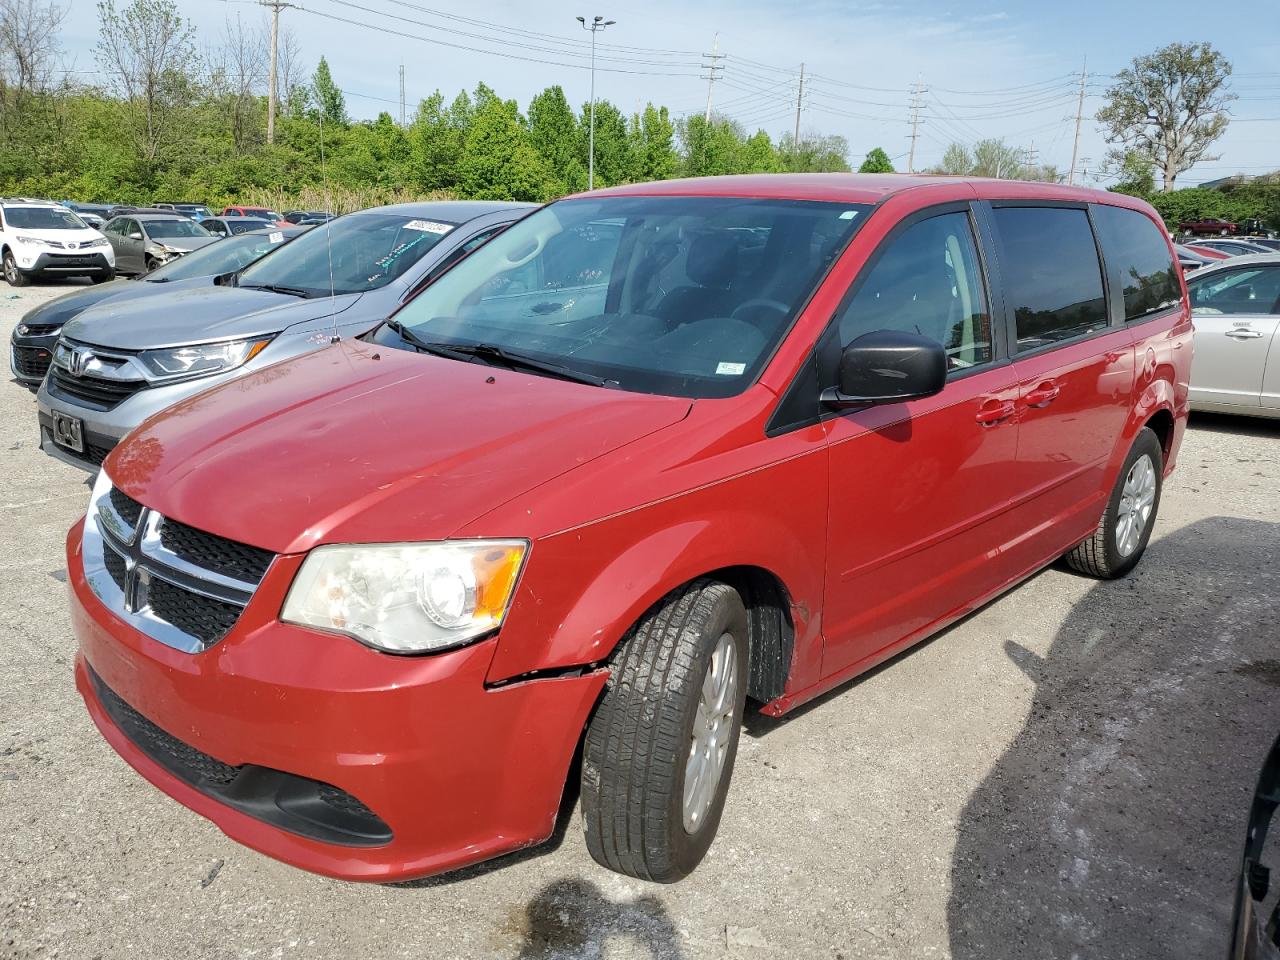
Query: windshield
[
  {"x": 247, "y": 224},
  {"x": 196, "y": 209},
  {"x": 685, "y": 296},
  {"x": 164, "y": 229},
  {"x": 262, "y": 212},
  {"x": 366, "y": 250},
  {"x": 43, "y": 218},
  {"x": 226, "y": 256}
]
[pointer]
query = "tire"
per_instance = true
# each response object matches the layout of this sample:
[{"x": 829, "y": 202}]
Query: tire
[
  {"x": 1115, "y": 549},
  {"x": 1223, "y": 233},
  {"x": 103, "y": 277},
  {"x": 148, "y": 265},
  {"x": 640, "y": 742},
  {"x": 12, "y": 274}
]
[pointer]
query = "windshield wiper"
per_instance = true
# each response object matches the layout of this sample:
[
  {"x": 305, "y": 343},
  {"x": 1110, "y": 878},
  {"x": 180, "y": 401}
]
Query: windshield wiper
[
  {"x": 276, "y": 288},
  {"x": 488, "y": 353}
]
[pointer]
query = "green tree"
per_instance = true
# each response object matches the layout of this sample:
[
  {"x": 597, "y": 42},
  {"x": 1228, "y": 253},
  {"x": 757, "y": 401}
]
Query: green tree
[
  {"x": 553, "y": 131},
  {"x": 613, "y": 148},
  {"x": 711, "y": 149},
  {"x": 1170, "y": 105},
  {"x": 436, "y": 141},
  {"x": 329, "y": 101},
  {"x": 877, "y": 161},
  {"x": 758, "y": 155},
  {"x": 956, "y": 161},
  {"x": 498, "y": 160},
  {"x": 1137, "y": 175},
  {"x": 653, "y": 149},
  {"x": 814, "y": 153},
  {"x": 147, "y": 53}
]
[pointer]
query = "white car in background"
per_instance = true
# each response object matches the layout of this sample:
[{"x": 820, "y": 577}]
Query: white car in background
[
  {"x": 1235, "y": 304},
  {"x": 39, "y": 238}
]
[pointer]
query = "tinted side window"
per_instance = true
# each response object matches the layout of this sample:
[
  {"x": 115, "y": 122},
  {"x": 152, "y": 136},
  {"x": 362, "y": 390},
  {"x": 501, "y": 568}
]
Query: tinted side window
[
  {"x": 1247, "y": 290},
  {"x": 927, "y": 281},
  {"x": 1052, "y": 276},
  {"x": 1137, "y": 252}
]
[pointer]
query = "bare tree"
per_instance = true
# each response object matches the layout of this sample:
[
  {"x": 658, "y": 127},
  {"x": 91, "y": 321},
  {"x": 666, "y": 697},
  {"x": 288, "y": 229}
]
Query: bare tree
[
  {"x": 291, "y": 71},
  {"x": 238, "y": 73},
  {"x": 1169, "y": 106},
  {"x": 29, "y": 46},
  {"x": 147, "y": 51}
]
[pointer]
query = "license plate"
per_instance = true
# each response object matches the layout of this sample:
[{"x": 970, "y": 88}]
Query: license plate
[{"x": 68, "y": 432}]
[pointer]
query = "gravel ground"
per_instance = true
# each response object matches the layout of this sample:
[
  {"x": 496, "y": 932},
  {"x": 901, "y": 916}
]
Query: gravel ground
[{"x": 1064, "y": 774}]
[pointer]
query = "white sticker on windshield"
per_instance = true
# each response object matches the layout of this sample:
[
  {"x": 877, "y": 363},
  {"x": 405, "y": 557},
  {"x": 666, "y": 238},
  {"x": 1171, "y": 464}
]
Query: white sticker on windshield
[
  {"x": 730, "y": 369},
  {"x": 428, "y": 226},
  {"x": 848, "y": 214},
  {"x": 275, "y": 237}
]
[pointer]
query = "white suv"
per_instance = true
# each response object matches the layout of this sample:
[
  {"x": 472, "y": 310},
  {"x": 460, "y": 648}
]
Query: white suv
[{"x": 41, "y": 238}]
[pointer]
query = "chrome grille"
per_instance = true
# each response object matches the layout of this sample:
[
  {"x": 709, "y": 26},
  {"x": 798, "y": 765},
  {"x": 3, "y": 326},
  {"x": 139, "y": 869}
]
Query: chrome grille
[{"x": 181, "y": 586}]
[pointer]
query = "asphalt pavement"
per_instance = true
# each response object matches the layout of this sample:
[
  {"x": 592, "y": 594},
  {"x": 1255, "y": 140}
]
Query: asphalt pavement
[{"x": 1063, "y": 774}]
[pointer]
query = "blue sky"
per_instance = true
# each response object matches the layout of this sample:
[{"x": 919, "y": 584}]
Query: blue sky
[{"x": 991, "y": 69}]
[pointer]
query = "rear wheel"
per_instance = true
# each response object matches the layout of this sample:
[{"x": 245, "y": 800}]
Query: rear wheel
[
  {"x": 1224, "y": 232},
  {"x": 659, "y": 750},
  {"x": 1122, "y": 535},
  {"x": 12, "y": 274}
]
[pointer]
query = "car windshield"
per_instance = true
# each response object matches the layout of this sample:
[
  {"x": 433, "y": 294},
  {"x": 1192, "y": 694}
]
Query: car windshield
[
  {"x": 686, "y": 296},
  {"x": 248, "y": 224},
  {"x": 195, "y": 208},
  {"x": 227, "y": 256},
  {"x": 166, "y": 229},
  {"x": 262, "y": 212},
  {"x": 43, "y": 218},
  {"x": 355, "y": 253}
]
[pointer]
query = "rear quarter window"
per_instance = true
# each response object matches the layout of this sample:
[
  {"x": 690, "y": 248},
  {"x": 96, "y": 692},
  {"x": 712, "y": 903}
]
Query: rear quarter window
[
  {"x": 1139, "y": 260},
  {"x": 1052, "y": 275}
]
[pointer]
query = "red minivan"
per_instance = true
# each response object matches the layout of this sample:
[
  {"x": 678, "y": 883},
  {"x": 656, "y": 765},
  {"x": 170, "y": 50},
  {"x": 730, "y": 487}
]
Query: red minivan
[{"x": 652, "y": 454}]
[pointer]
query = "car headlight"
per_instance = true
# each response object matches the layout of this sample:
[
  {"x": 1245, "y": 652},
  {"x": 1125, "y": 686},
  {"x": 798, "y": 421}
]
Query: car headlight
[
  {"x": 31, "y": 241},
  {"x": 407, "y": 597},
  {"x": 100, "y": 242},
  {"x": 202, "y": 359}
]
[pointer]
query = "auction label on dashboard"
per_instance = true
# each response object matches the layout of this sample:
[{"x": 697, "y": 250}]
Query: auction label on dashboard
[{"x": 428, "y": 226}]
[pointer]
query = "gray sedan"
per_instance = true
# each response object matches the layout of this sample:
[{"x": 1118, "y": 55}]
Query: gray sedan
[
  {"x": 118, "y": 363},
  {"x": 1236, "y": 306},
  {"x": 143, "y": 241}
]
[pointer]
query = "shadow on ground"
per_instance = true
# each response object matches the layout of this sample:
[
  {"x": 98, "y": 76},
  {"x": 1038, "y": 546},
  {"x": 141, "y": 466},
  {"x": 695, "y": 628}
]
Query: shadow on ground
[{"x": 1113, "y": 824}]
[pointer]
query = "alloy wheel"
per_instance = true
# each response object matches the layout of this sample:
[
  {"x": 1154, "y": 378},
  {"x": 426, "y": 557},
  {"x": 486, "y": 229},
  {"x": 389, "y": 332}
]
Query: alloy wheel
[
  {"x": 1137, "y": 500},
  {"x": 712, "y": 733}
]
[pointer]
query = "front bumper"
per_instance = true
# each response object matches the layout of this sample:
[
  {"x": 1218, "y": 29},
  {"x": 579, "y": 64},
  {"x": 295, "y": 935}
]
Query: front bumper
[
  {"x": 458, "y": 772},
  {"x": 67, "y": 264},
  {"x": 29, "y": 357}
]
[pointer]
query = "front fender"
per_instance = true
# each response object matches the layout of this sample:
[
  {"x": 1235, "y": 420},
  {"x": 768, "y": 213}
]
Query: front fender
[{"x": 585, "y": 587}]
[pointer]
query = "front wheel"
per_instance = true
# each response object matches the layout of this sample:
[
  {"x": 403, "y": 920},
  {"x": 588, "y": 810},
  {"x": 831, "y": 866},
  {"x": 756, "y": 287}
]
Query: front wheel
[
  {"x": 659, "y": 750},
  {"x": 1122, "y": 535},
  {"x": 14, "y": 276},
  {"x": 1223, "y": 233},
  {"x": 103, "y": 277}
]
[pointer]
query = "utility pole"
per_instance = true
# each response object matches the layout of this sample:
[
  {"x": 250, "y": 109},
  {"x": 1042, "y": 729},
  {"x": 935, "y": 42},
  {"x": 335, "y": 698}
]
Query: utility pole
[
  {"x": 916, "y": 91},
  {"x": 402, "y": 96},
  {"x": 1075, "y": 149},
  {"x": 712, "y": 75},
  {"x": 795, "y": 143},
  {"x": 275, "y": 6},
  {"x": 597, "y": 24}
]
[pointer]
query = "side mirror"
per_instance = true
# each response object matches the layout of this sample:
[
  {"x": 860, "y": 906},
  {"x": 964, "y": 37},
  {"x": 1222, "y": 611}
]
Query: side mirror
[
  {"x": 135, "y": 236},
  {"x": 887, "y": 366}
]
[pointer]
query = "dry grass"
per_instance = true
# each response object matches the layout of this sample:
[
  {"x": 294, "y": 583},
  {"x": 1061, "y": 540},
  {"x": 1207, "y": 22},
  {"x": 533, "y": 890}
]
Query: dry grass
[{"x": 337, "y": 199}]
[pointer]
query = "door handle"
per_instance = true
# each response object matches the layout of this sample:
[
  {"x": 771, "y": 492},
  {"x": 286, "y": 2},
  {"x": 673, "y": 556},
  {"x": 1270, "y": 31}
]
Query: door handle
[
  {"x": 1042, "y": 395},
  {"x": 994, "y": 411},
  {"x": 1244, "y": 333}
]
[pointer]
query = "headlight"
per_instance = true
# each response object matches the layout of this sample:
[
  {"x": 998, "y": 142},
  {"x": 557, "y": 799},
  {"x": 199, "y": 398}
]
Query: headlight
[
  {"x": 201, "y": 359},
  {"x": 407, "y": 598},
  {"x": 32, "y": 241},
  {"x": 100, "y": 242}
]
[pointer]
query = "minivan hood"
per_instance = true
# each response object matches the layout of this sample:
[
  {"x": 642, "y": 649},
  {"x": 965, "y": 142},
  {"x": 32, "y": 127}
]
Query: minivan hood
[
  {"x": 356, "y": 443},
  {"x": 69, "y": 305},
  {"x": 201, "y": 315}
]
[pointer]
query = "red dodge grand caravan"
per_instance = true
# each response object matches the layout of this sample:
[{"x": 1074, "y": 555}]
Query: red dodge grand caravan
[{"x": 653, "y": 453}]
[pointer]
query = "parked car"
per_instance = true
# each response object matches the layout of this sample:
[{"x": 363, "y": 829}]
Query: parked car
[
  {"x": 1255, "y": 931},
  {"x": 1189, "y": 259},
  {"x": 92, "y": 219},
  {"x": 1208, "y": 226},
  {"x": 1236, "y": 304},
  {"x": 317, "y": 216},
  {"x": 43, "y": 239},
  {"x": 1232, "y": 247},
  {"x": 115, "y": 365},
  {"x": 262, "y": 213},
  {"x": 1271, "y": 243},
  {"x": 144, "y": 241},
  {"x": 1255, "y": 227},
  {"x": 1208, "y": 252},
  {"x": 650, "y": 453},
  {"x": 35, "y": 335},
  {"x": 231, "y": 226},
  {"x": 196, "y": 211},
  {"x": 100, "y": 210}
]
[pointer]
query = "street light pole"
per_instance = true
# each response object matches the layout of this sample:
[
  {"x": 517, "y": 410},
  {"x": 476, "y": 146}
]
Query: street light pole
[{"x": 597, "y": 24}]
